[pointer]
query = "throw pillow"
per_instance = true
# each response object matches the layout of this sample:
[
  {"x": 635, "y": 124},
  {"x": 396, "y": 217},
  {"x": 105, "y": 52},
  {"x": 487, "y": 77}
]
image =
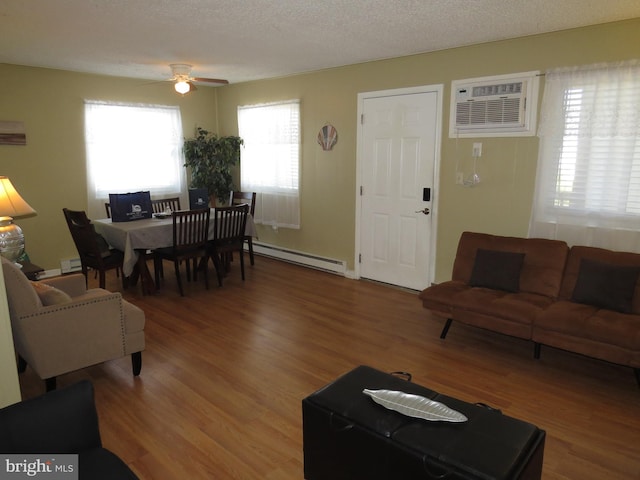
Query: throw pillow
[
  {"x": 497, "y": 269},
  {"x": 606, "y": 285},
  {"x": 50, "y": 295}
]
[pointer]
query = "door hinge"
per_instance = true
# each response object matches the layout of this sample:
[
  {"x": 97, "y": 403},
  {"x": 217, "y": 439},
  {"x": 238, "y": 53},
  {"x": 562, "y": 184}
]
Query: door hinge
[
  {"x": 361, "y": 190},
  {"x": 362, "y": 119},
  {"x": 359, "y": 258}
]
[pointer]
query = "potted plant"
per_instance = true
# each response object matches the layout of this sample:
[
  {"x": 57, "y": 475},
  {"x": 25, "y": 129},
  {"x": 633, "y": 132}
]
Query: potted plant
[{"x": 210, "y": 158}]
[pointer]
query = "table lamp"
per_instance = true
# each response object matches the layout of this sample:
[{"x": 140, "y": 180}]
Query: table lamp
[{"x": 11, "y": 205}]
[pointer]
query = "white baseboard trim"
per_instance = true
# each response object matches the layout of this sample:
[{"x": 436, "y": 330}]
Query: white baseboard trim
[
  {"x": 56, "y": 272},
  {"x": 301, "y": 258},
  {"x": 68, "y": 265}
]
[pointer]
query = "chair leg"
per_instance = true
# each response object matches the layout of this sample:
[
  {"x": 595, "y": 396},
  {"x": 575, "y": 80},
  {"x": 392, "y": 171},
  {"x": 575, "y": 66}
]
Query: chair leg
[
  {"x": 22, "y": 364},
  {"x": 157, "y": 269},
  {"x": 205, "y": 271},
  {"x": 250, "y": 243},
  {"x": 241, "y": 255},
  {"x": 176, "y": 267},
  {"x": 195, "y": 269},
  {"x": 50, "y": 384},
  {"x": 536, "y": 350},
  {"x": 103, "y": 280},
  {"x": 215, "y": 258},
  {"x": 445, "y": 330},
  {"x": 136, "y": 363}
]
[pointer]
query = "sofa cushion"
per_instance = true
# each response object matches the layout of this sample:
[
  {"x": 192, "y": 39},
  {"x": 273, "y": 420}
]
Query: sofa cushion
[
  {"x": 581, "y": 321},
  {"x": 50, "y": 295},
  {"x": 605, "y": 285},
  {"x": 497, "y": 269},
  {"x": 542, "y": 267},
  {"x": 441, "y": 297},
  {"x": 519, "y": 307},
  {"x": 578, "y": 253}
]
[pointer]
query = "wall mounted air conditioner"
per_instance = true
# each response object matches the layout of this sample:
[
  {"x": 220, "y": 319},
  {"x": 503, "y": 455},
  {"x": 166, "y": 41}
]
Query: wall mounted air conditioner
[{"x": 498, "y": 106}]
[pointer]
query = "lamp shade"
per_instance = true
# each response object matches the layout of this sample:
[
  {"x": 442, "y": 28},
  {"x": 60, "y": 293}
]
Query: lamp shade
[{"x": 11, "y": 203}]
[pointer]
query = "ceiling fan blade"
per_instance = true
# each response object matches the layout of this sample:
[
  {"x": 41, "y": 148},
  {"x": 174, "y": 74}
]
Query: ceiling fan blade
[
  {"x": 211, "y": 80},
  {"x": 192, "y": 86}
]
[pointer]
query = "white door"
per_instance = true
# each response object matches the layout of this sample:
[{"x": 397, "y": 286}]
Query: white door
[{"x": 398, "y": 153}]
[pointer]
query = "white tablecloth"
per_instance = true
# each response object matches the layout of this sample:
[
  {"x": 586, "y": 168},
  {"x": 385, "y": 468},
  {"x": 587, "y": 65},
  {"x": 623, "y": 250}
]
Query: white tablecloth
[{"x": 146, "y": 234}]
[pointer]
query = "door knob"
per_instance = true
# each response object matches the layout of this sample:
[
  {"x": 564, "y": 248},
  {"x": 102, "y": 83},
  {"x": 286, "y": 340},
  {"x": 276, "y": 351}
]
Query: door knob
[{"x": 425, "y": 210}]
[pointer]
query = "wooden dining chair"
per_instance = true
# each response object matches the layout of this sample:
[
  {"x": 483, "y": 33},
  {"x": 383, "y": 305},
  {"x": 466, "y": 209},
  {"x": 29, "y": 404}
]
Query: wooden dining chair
[
  {"x": 93, "y": 249},
  {"x": 229, "y": 227},
  {"x": 160, "y": 205},
  {"x": 238, "y": 198},
  {"x": 190, "y": 235}
]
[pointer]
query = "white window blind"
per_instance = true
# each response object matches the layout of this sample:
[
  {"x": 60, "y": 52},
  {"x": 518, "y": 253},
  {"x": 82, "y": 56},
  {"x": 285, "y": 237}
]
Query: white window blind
[
  {"x": 588, "y": 181},
  {"x": 132, "y": 148},
  {"x": 270, "y": 159}
]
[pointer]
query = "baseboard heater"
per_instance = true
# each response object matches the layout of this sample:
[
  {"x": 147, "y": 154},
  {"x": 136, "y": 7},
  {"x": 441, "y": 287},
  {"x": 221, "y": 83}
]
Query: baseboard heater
[
  {"x": 301, "y": 258},
  {"x": 69, "y": 265}
]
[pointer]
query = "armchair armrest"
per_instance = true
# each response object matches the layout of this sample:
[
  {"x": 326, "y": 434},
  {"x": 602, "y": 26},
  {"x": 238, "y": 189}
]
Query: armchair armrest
[
  {"x": 73, "y": 285},
  {"x": 60, "y": 421},
  {"x": 94, "y": 326}
]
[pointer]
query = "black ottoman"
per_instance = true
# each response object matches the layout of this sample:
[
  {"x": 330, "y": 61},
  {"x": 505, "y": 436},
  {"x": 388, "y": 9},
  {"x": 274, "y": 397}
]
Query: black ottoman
[{"x": 349, "y": 436}]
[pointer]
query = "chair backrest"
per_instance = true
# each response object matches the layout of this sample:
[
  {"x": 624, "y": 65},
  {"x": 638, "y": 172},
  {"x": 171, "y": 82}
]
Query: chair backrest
[
  {"x": 238, "y": 198},
  {"x": 229, "y": 226},
  {"x": 190, "y": 229},
  {"x": 160, "y": 205},
  {"x": 87, "y": 241},
  {"x": 21, "y": 296}
]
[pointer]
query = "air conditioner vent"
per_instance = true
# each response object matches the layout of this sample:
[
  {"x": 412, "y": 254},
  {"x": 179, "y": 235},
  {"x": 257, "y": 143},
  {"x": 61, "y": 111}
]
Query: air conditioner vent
[{"x": 494, "y": 106}]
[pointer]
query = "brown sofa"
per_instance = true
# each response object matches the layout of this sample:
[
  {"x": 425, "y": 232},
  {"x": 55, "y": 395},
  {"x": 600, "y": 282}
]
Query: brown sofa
[{"x": 582, "y": 299}]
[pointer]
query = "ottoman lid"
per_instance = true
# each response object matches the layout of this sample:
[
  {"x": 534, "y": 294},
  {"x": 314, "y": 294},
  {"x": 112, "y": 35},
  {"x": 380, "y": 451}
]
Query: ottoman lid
[
  {"x": 344, "y": 397},
  {"x": 489, "y": 445}
]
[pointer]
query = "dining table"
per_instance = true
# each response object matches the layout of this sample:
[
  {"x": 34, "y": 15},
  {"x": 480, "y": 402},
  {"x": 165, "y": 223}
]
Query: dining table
[{"x": 135, "y": 238}]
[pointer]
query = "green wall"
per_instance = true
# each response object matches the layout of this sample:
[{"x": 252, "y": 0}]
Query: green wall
[
  {"x": 501, "y": 204},
  {"x": 50, "y": 171}
]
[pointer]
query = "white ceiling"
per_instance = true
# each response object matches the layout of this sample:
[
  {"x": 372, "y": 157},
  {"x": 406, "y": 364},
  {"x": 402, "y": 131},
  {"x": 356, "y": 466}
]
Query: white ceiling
[{"x": 242, "y": 40}]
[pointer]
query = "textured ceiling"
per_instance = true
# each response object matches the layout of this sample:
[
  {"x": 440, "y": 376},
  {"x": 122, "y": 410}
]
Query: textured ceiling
[{"x": 242, "y": 40}]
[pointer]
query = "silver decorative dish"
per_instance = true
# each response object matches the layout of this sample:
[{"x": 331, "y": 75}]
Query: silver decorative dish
[{"x": 415, "y": 406}]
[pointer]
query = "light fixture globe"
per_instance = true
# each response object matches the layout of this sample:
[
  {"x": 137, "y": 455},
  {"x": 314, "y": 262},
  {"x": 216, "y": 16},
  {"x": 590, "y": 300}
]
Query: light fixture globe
[{"x": 182, "y": 87}]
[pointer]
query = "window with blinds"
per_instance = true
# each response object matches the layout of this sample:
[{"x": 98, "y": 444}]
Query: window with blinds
[
  {"x": 589, "y": 157},
  {"x": 132, "y": 147},
  {"x": 270, "y": 160}
]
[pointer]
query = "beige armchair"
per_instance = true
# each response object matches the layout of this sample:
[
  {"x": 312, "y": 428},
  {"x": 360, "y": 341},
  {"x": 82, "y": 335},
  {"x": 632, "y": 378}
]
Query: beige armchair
[{"x": 60, "y": 326}]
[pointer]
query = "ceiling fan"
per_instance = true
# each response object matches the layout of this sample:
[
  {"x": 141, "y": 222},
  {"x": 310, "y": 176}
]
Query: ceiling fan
[{"x": 184, "y": 81}]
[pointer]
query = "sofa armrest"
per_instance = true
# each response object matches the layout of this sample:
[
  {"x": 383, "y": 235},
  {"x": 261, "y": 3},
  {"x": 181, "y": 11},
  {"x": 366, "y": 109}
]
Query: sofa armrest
[
  {"x": 60, "y": 421},
  {"x": 73, "y": 285}
]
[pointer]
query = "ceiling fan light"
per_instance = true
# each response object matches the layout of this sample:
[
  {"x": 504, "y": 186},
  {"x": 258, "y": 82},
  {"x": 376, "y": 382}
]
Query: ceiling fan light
[{"x": 182, "y": 87}]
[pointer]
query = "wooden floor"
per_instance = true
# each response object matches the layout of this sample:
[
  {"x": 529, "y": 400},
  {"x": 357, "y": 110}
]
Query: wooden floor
[{"x": 225, "y": 370}]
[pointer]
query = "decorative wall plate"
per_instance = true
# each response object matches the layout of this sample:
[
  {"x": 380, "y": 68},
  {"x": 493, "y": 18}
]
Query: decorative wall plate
[
  {"x": 415, "y": 406},
  {"x": 327, "y": 137}
]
